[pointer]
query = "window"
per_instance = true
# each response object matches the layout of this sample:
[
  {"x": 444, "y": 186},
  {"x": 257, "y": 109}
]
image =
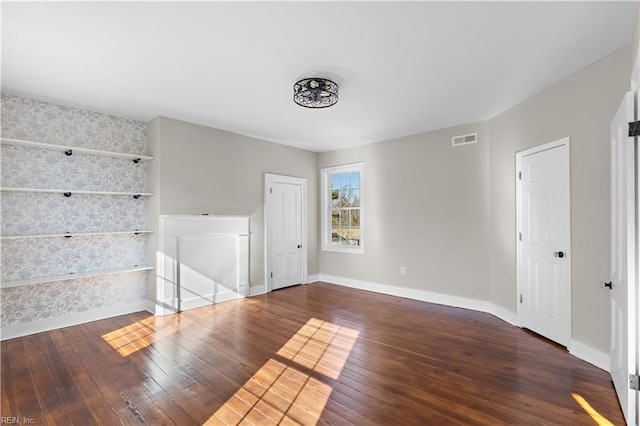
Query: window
[{"x": 342, "y": 208}]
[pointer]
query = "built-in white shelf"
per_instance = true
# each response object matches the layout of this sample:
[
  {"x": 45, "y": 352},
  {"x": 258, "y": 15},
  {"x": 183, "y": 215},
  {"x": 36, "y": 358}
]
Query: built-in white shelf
[
  {"x": 75, "y": 150},
  {"x": 65, "y": 277},
  {"x": 73, "y": 191},
  {"x": 73, "y": 234}
]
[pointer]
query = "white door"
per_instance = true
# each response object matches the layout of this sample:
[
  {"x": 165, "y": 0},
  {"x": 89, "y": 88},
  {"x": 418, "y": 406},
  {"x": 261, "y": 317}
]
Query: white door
[
  {"x": 286, "y": 257},
  {"x": 544, "y": 257},
  {"x": 623, "y": 258}
]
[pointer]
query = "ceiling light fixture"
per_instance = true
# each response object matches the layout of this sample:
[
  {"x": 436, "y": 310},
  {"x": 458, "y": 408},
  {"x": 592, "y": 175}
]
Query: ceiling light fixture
[{"x": 315, "y": 93}]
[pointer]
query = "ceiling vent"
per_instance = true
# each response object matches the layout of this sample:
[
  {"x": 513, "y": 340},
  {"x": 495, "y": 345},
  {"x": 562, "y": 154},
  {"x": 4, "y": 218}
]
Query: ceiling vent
[{"x": 464, "y": 139}]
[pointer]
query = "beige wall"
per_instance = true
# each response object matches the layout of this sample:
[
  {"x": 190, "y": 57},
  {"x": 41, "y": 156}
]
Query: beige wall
[
  {"x": 203, "y": 170},
  {"x": 581, "y": 107},
  {"x": 426, "y": 209}
]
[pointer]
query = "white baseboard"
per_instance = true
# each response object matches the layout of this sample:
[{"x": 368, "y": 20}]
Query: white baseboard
[
  {"x": 165, "y": 307},
  {"x": 244, "y": 290},
  {"x": 410, "y": 293},
  {"x": 592, "y": 356},
  {"x": 577, "y": 349},
  {"x": 208, "y": 299},
  {"x": 170, "y": 306},
  {"x": 256, "y": 290},
  {"x": 505, "y": 315},
  {"x": 49, "y": 324}
]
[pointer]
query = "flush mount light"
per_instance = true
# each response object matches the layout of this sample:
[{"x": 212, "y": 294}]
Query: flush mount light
[{"x": 315, "y": 93}]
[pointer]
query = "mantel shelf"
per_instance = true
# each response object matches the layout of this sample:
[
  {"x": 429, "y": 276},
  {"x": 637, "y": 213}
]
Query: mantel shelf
[
  {"x": 75, "y": 150},
  {"x": 73, "y": 191},
  {"x": 72, "y": 234},
  {"x": 65, "y": 277}
]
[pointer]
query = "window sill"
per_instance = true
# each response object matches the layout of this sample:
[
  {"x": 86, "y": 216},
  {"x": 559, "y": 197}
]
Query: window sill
[{"x": 343, "y": 249}]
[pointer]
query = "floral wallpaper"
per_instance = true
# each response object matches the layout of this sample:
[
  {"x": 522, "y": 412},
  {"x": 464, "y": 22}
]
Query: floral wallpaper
[
  {"x": 24, "y": 167},
  {"x": 26, "y": 258},
  {"x": 20, "y": 305},
  {"x": 33, "y": 213},
  {"x": 37, "y": 121}
]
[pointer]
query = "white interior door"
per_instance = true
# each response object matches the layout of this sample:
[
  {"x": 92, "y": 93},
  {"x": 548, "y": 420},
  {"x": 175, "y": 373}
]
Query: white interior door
[
  {"x": 286, "y": 224},
  {"x": 544, "y": 258},
  {"x": 623, "y": 259}
]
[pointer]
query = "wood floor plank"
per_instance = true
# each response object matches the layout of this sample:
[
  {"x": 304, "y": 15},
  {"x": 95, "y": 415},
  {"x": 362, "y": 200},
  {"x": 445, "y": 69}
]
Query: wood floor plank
[
  {"x": 90, "y": 393},
  {"x": 314, "y": 354},
  {"x": 7, "y": 396},
  {"x": 26, "y": 403}
]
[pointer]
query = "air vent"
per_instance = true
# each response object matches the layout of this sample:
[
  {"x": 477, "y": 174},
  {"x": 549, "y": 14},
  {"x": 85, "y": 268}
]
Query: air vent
[{"x": 464, "y": 139}]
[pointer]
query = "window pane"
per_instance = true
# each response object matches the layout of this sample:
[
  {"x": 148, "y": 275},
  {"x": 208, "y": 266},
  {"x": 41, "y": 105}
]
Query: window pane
[
  {"x": 335, "y": 182},
  {"x": 355, "y": 218},
  {"x": 346, "y": 181},
  {"x": 354, "y": 200},
  {"x": 335, "y": 235},
  {"x": 335, "y": 218},
  {"x": 345, "y": 227},
  {"x": 344, "y": 198},
  {"x": 351, "y": 235},
  {"x": 335, "y": 198},
  {"x": 355, "y": 180},
  {"x": 345, "y": 218}
]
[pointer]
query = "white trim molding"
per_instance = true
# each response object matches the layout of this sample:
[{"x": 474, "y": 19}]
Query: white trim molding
[
  {"x": 411, "y": 293},
  {"x": 563, "y": 324},
  {"x": 591, "y": 355},
  {"x": 325, "y": 208},
  {"x": 271, "y": 179},
  {"x": 257, "y": 290}
]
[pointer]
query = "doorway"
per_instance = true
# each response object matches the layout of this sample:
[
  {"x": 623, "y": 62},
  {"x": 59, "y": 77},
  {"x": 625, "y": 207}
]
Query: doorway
[
  {"x": 285, "y": 231},
  {"x": 544, "y": 240}
]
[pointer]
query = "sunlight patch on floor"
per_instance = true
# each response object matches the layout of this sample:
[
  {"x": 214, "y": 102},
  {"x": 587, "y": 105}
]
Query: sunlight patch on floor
[
  {"x": 276, "y": 394},
  {"x": 597, "y": 417},
  {"x": 136, "y": 336},
  {"x": 282, "y": 394},
  {"x": 321, "y": 346}
]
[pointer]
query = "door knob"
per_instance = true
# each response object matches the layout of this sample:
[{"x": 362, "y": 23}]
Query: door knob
[
  {"x": 559, "y": 254},
  {"x": 609, "y": 284}
]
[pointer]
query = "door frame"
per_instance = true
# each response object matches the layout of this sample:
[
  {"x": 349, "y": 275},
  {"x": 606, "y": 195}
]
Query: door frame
[
  {"x": 519, "y": 286},
  {"x": 269, "y": 180},
  {"x": 635, "y": 88},
  {"x": 624, "y": 180}
]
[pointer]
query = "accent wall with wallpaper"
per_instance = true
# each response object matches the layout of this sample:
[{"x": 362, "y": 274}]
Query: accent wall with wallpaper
[{"x": 74, "y": 216}]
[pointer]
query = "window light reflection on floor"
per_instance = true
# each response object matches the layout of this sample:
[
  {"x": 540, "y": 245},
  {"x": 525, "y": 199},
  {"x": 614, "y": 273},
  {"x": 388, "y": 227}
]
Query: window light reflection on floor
[
  {"x": 280, "y": 393},
  {"x": 320, "y": 346},
  {"x": 139, "y": 335},
  {"x": 597, "y": 417}
]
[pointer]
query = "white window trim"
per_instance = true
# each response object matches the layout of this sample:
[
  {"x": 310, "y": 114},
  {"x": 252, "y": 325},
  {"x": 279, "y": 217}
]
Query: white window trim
[{"x": 325, "y": 185}]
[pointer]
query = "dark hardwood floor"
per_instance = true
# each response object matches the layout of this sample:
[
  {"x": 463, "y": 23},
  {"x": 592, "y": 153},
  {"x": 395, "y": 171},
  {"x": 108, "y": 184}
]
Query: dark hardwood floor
[{"x": 310, "y": 354}]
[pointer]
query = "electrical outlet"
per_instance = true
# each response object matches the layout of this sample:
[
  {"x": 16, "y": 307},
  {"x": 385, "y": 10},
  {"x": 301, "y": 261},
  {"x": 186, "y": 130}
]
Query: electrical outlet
[{"x": 403, "y": 270}]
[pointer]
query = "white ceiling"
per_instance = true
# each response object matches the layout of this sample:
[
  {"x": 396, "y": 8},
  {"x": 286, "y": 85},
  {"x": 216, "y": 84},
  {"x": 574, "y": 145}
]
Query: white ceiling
[{"x": 402, "y": 68}]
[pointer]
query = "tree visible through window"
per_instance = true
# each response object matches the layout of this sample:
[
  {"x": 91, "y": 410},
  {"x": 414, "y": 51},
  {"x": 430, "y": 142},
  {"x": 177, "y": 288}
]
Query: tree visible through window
[
  {"x": 342, "y": 203},
  {"x": 345, "y": 208}
]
